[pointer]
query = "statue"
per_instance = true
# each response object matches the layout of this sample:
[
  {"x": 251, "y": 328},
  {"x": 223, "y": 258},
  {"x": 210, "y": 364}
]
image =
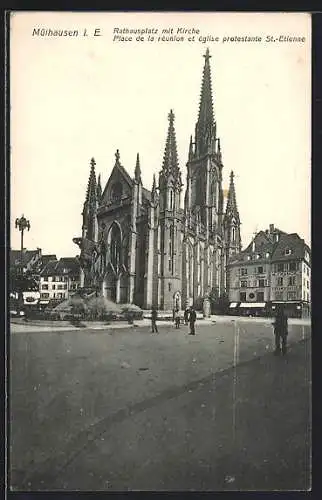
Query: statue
[{"x": 206, "y": 306}]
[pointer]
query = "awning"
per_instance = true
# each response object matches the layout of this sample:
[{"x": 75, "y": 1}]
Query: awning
[
  {"x": 233, "y": 304},
  {"x": 252, "y": 305}
]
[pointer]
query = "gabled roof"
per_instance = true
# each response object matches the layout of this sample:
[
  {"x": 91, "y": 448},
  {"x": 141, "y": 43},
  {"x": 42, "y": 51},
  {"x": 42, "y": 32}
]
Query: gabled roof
[
  {"x": 71, "y": 264},
  {"x": 49, "y": 268},
  {"x": 292, "y": 242},
  {"x": 65, "y": 265},
  {"x": 121, "y": 170},
  {"x": 47, "y": 258},
  {"x": 27, "y": 256},
  {"x": 266, "y": 242}
]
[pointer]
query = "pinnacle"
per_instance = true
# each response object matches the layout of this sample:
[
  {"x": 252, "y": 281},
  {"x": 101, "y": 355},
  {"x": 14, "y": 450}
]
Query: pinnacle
[
  {"x": 137, "y": 173},
  {"x": 91, "y": 186},
  {"x": 231, "y": 201}
]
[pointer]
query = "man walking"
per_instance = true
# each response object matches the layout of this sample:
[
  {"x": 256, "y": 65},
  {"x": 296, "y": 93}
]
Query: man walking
[
  {"x": 177, "y": 318},
  {"x": 154, "y": 316},
  {"x": 280, "y": 331},
  {"x": 186, "y": 316},
  {"x": 192, "y": 320}
]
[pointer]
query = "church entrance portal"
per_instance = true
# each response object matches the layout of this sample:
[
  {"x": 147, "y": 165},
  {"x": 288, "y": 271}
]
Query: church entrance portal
[{"x": 110, "y": 285}]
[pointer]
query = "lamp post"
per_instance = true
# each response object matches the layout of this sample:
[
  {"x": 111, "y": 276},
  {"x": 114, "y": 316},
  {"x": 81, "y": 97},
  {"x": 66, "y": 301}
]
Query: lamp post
[{"x": 22, "y": 224}]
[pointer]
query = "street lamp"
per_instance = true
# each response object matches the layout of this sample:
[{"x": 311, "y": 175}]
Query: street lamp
[{"x": 22, "y": 224}]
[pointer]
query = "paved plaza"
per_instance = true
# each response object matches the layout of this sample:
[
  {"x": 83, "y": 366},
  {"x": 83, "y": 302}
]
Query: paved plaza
[{"x": 124, "y": 409}]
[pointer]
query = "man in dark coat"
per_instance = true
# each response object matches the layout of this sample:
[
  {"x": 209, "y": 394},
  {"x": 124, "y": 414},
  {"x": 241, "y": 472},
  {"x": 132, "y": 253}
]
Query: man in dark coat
[
  {"x": 192, "y": 320},
  {"x": 186, "y": 316},
  {"x": 280, "y": 331},
  {"x": 154, "y": 316}
]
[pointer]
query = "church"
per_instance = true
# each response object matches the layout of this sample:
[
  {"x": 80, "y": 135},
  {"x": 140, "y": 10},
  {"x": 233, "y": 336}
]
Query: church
[{"x": 158, "y": 248}]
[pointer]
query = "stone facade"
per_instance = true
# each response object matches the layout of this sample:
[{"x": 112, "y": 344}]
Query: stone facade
[
  {"x": 149, "y": 248},
  {"x": 275, "y": 267}
]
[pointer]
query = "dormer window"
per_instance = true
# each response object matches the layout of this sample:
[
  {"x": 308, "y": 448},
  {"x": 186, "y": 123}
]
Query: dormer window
[
  {"x": 248, "y": 257},
  {"x": 267, "y": 255},
  {"x": 287, "y": 251},
  {"x": 258, "y": 256}
]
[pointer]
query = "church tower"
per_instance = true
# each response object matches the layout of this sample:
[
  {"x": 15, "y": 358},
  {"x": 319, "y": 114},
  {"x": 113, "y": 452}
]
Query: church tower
[
  {"x": 204, "y": 168},
  {"x": 170, "y": 187}
]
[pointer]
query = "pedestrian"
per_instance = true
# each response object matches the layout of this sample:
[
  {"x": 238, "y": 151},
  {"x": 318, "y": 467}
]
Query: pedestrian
[
  {"x": 177, "y": 318},
  {"x": 154, "y": 317},
  {"x": 280, "y": 331},
  {"x": 192, "y": 320},
  {"x": 186, "y": 316}
]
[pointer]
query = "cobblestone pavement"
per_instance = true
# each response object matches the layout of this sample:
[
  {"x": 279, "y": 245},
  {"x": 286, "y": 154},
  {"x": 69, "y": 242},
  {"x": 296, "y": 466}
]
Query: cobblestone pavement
[{"x": 127, "y": 409}]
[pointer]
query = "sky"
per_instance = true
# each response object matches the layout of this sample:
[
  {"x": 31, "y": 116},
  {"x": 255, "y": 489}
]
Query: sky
[{"x": 74, "y": 98}]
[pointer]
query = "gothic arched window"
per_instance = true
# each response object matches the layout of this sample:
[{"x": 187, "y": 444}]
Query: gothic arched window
[
  {"x": 171, "y": 249},
  {"x": 170, "y": 199},
  {"x": 116, "y": 247},
  {"x": 126, "y": 251},
  {"x": 213, "y": 193},
  {"x": 198, "y": 191},
  {"x": 233, "y": 234},
  {"x": 116, "y": 191}
]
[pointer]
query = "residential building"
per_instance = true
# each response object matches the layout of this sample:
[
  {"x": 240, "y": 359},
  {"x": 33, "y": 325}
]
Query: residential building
[
  {"x": 144, "y": 247},
  {"x": 59, "y": 279},
  {"x": 30, "y": 260},
  {"x": 274, "y": 268}
]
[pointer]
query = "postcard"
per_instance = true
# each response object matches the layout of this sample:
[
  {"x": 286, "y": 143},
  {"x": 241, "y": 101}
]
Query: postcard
[{"x": 160, "y": 262}]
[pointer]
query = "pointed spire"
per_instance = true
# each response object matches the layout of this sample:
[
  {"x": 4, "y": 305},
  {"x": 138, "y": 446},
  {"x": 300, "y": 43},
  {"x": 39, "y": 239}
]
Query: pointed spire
[
  {"x": 206, "y": 114},
  {"x": 154, "y": 189},
  {"x": 99, "y": 188},
  {"x": 231, "y": 207},
  {"x": 205, "y": 127},
  {"x": 91, "y": 186},
  {"x": 137, "y": 173},
  {"x": 170, "y": 158}
]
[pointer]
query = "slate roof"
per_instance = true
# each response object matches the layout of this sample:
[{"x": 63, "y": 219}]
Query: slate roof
[
  {"x": 47, "y": 258},
  {"x": 289, "y": 241},
  {"x": 264, "y": 243},
  {"x": 15, "y": 256},
  {"x": 49, "y": 269},
  {"x": 57, "y": 267}
]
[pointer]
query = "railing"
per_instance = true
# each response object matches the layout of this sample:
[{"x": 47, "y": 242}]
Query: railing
[{"x": 114, "y": 204}]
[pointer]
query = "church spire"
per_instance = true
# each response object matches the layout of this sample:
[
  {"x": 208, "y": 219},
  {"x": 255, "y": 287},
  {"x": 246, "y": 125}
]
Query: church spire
[
  {"x": 137, "y": 173},
  {"x": 231, "y": 207},
  {"x": 170, "y": 158},
  {"x": 206, "y": 114},
  {"x": 205, "y": 127}
]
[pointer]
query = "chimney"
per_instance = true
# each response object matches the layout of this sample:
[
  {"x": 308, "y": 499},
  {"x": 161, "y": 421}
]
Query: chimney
[
  {"x": 271, "y": 228},
  {"x": 253, "y": 246}
]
